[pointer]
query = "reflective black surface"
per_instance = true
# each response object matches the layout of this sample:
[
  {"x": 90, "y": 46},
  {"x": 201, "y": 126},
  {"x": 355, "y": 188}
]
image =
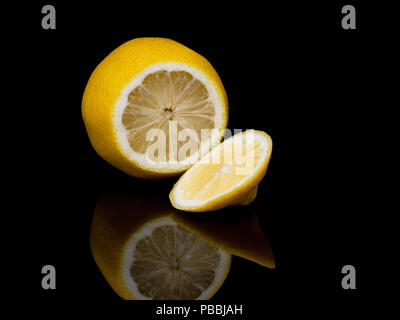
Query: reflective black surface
[{"x": 288, "y": 69}]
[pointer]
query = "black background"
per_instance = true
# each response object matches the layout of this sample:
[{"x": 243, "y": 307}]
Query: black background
[{"x": 288, "y": 68}]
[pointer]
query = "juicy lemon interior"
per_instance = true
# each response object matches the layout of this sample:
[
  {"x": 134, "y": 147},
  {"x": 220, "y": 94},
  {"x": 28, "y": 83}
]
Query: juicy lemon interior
[
  {"x": 173, "y": 264},
  {"x": 222, "y": 169},
  {"x": 163, "y": 97}
]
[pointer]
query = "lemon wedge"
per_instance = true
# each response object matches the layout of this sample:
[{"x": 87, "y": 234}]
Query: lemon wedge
[{"x": 228, "y": 175}]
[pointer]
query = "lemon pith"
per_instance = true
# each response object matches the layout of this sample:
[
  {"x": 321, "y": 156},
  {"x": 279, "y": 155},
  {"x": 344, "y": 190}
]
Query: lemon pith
[{"x": 137, "y": 87}]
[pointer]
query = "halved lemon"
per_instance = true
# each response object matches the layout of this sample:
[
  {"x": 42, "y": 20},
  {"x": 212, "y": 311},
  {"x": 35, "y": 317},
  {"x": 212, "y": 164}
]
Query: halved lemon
[
  {"x": 227, "y": 175},
  {"x": 144, "y": 254},
  {"x": 141, "y": 98}
]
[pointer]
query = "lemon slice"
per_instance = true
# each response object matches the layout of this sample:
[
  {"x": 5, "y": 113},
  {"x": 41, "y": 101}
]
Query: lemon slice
[
  {"x": 144, "y": 254},
  {"x": 140, "y": 100},
  {"x": 166, "y": 262},
  {"x": 227, "y": 175}
]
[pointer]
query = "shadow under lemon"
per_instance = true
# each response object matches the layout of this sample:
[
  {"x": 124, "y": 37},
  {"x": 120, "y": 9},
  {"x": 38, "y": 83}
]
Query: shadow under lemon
[{"x": 146, "y": 249}]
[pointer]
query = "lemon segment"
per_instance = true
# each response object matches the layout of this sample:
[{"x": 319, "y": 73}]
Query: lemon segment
[
  {"x": 152, "y": 83},
  {"x": 227, "y": 175}
]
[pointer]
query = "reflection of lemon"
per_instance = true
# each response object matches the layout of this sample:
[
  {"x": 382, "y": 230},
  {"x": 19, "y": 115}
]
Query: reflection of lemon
[
  {"x": 241, "y": 236},
  {"x": 144, "y": 254},
  {"x": 228, "y": 175},
  {"x": 150, "y": 83}
]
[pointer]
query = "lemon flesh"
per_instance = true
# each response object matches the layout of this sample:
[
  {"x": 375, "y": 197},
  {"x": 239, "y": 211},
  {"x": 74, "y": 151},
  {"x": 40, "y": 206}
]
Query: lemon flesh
[
  {"x": 166, "y": 262},
  {"x": 228, "y": 175},
  {"x": 161, "y": 99}
]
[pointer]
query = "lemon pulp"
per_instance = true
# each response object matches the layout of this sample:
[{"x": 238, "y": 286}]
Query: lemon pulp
[
  {"x": 215, "y": 179},
  {"x": 164, "y": 97}
]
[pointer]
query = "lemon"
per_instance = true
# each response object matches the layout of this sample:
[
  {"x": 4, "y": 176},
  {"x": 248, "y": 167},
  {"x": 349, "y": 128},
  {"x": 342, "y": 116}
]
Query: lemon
[
  {"x": 228, "y": 175},
  {"x": 153, "y": 84},
  {"x": 239, "y": 235},
  {"x": 144, "y": 254}
]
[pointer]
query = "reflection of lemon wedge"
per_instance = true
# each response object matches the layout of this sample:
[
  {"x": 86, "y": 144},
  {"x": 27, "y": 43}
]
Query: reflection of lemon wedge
[
  {"x": 152, "y": 83},
  {"x": 228, "y": 175},
  {"x": 241, "y": 236},
  {"x": 144, "y": 254}
]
